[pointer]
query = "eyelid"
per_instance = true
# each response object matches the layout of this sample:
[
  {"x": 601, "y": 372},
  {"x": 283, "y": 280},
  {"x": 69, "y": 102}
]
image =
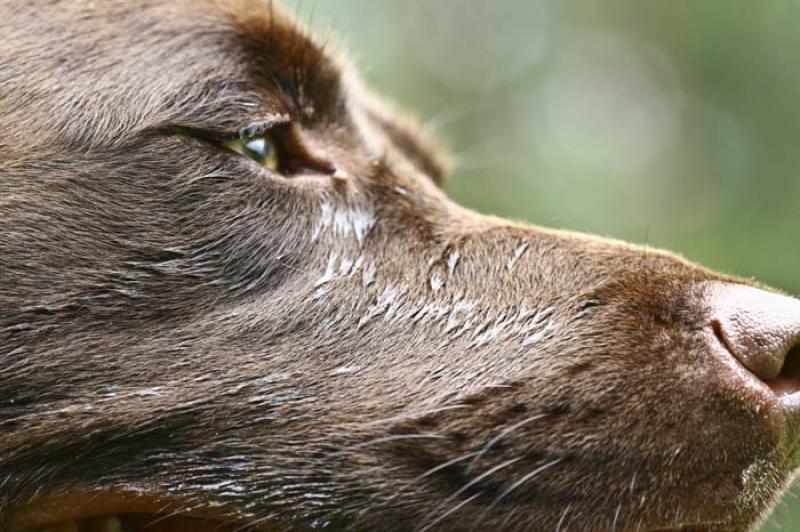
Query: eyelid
[
  {"x": 294, "y": 157},
  {"x": 220, "y": 135},
  {"x": 264, "y": 126}
]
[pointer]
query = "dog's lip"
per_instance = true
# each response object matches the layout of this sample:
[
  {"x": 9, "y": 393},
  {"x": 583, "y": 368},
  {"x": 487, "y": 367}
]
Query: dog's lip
[{"x": 75, "y": 505}]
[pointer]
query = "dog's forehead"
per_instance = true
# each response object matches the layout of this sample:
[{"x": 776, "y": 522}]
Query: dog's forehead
[{"x": 190, "y": 60}]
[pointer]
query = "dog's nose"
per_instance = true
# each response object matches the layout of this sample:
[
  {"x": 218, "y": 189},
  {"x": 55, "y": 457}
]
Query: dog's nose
[{"x": 762, "y": 330}]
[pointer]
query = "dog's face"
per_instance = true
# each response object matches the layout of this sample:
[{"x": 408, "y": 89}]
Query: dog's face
[{"x": 233, "y": 295}]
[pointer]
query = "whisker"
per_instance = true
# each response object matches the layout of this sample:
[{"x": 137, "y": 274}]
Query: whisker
[
  {"x": 448, "y": 512},
  {"x": 563, "y": 517},
  {"x": 470, "y": 484},
  {"x": 431, "y": 471},
  {"x": 502, "y": 435},
  {"x": 445, "y": 465},
  {"x": 517, "y": 484},
  {"x": 616, "y": 518}
]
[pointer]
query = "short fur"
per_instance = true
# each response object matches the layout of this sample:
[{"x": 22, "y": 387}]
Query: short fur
[{"x": 302, "y": 351}]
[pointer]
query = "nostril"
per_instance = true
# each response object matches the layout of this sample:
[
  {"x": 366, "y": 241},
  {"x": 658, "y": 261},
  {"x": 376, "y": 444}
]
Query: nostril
[
  {"x": 716, "y": 326},
  {"x": 785, "y": 381},
  {"x": 761, "y": 330},
  {"x": 788, "y": 380}
]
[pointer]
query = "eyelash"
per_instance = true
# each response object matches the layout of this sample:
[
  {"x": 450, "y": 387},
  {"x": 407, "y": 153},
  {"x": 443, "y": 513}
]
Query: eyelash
[
  {"x": 218, "y": 138},
  {"x": 260, "y": 128}
]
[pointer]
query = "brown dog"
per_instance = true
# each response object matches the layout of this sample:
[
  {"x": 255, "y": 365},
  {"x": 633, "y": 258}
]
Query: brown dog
[{"x": 232, "y": 296}]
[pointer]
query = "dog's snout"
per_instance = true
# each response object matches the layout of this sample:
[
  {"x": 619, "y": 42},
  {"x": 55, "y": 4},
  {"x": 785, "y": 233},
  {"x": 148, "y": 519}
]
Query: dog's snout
[{"x": 762, "y": 330}]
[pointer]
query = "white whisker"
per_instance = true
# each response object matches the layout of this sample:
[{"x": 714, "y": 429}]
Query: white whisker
[
  {"x": 433, "y": 470},
  {"x": 470, "y": 484},
  {"x": 448, "y": 512},
  {"x": 563, "y": 519},
  {"x": 522, "y": 481},
  {"x": 505, "y": 432}
]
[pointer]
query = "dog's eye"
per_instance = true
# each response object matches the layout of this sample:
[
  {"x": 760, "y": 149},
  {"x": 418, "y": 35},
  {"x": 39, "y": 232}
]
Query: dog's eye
[{"x": 261, "y": 148}]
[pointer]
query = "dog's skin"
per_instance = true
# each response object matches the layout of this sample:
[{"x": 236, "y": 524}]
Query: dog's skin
[{"x": 332, "y": 343}]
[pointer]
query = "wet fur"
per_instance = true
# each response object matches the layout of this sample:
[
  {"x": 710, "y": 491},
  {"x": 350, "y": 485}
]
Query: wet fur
[{"x": 305, "y": 352}]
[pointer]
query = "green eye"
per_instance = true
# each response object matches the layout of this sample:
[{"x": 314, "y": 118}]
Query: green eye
[{"x": 260, "y": 148}]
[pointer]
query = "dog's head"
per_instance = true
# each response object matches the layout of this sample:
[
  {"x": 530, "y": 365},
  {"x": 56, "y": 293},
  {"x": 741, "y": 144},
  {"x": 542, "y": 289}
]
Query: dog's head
[{"x": 233, "y": 294}]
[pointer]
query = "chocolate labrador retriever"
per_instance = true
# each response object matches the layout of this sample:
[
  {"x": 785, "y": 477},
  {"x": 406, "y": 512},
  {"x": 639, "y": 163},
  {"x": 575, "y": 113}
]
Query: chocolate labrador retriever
[{"x": 233, "y": 296}]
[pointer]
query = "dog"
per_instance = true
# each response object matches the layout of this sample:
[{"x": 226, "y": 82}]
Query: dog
[{"x": 234, "y": 296}]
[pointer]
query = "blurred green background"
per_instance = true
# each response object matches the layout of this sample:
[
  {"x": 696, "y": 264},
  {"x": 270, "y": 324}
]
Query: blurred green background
[{"x": 673, "y": 123}]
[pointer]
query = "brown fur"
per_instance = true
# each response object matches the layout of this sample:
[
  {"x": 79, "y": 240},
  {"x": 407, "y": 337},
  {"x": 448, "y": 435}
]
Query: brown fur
[{"x": 178, "y": 323}]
